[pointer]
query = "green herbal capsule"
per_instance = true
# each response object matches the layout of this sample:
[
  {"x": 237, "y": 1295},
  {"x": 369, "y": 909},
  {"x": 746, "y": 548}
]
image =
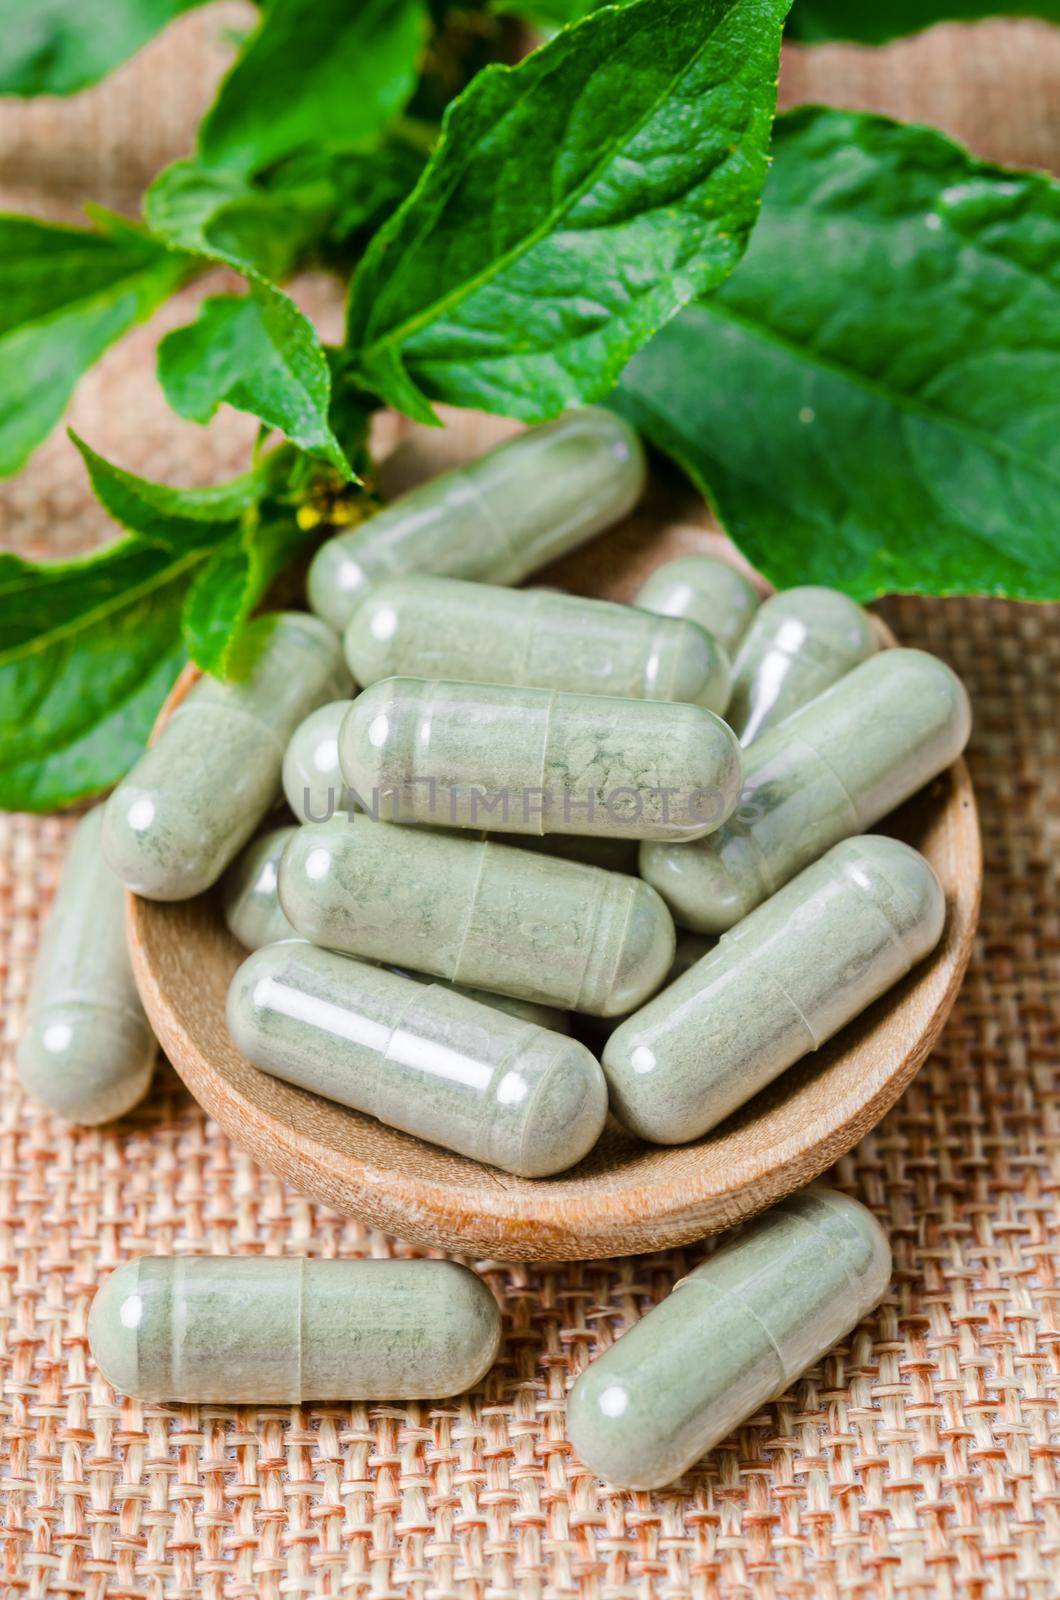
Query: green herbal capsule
[
  {"x": 442, "y": 628},
  {"x": 420, "y": 1057},
  {"x": 194, "y": 799},
  {"x": 249, "y": 894},
  {"x": 734, "y": 1334},
  {"x": 516, "y": 508},
  {"x": 87, "y": 1050},
  {"x": 536, "y": 761},
  {"x": 832, "y": 769},
  {"x": 708, "y": 592},
  {"x": 274, "y": 1330},
  {"x": 777, "y": 986},
  {"x": 251, "y": 900},
  {"x": 312, "y": 781},
  {"x": 478, "y": 913},
  {"x": 798, "y": 645}
]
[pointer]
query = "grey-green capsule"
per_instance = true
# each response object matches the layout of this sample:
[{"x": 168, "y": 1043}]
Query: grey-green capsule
[
  {"x": 735, "y": 1333},
  {"x": 275, "y": 1330},
  {"x": 249, "y": 893},
  {"x": 86, "y": 1050},
  {"x": 707, "y": 591},
  {"x": 312, "y": 781},
  {"x": 481, "y": 914},
  {"x": 536, "y": 761},
  {"x": 519, "y": 506},
  {"x": 251, "y": 900},
  {"x": 799, "y": 643},
  {"x": 193, "y": 800},
  {"x": 777, "y": 986},
  {"x": 442, "y": 628},
  {"x": 420, "y": 1057},
  {"x": 832, "y": 769}
]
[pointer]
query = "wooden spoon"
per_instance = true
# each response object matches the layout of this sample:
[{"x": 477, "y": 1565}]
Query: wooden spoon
[{"x": 626, "y": 1196}]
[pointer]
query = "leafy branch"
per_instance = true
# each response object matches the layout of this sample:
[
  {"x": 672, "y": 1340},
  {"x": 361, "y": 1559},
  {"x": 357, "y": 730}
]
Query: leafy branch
[{"x": 866, "y": 395}]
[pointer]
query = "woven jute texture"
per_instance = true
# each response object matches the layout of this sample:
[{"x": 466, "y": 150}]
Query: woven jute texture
[{"x": 918, "y": 1459}]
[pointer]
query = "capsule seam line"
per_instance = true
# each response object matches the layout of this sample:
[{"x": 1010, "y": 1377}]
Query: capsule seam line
[
  {"x": 528, "y": 1118},
  {"x": 228, "y": 710},
  {"x": 528, "y": 641},
  {"x": 755, "y": 1318},
  {"x": 545, "y": 742},
  {"x": 425, "y": 719},
  {"x": 178, "y": 1323},
  {"x": 893, "y": 932},
  {"x": 399, "y": 1024},
  {"x": 745, "y": 1306},
  {"x": 859, "y": 823},
  {"x": 454, "y": 976},
  {"x": 484, "y": 509},
  {"x": 590, "y": 943},
  {"x": 771, "y": 977}
]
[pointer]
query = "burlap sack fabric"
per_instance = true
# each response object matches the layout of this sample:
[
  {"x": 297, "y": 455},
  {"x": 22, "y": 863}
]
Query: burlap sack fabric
[{"x": 918, "y": 1459}]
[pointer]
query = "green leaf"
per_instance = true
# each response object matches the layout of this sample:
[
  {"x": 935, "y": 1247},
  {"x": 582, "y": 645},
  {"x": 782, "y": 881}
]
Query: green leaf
[
  {"x": 288, "y": 372},
  {"x": 873, "y": 400},
  {"x": 181, "y": 520},
  {"x": 216, "y": 605},
  {"x": 573, "y": 205},
  {"x": 230, "y": 586},
  {"x": 874, "y": 21},
  {"x": 260, "y": 226},
  {"x": 59, "y": 46},
  {"x": 315, "y": 73},
  {"x": 251, "y": 351},
  {"x": 241, "y": 534},
  {"x": 88, "y": 652},
  {"x": 89, "y": 648},
  {"x": 65, "y": 295}
]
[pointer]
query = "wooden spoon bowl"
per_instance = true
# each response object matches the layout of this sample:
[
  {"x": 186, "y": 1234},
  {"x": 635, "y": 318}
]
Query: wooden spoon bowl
[{"x": 626, "y": 1196}]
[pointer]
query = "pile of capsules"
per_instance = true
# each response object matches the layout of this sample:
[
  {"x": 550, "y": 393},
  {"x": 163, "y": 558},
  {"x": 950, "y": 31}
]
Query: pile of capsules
[{"x": 502, "y": 828}]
